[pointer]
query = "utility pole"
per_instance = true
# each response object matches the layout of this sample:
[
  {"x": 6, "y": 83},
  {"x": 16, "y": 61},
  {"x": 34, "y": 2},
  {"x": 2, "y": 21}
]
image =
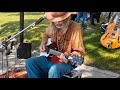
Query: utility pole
[{"x": 21, "y": 26}]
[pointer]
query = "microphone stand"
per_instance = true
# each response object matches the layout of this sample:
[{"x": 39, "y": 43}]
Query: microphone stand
[
  {"x": 5, "y": 43},
  {"x": 2, "y": 58}
]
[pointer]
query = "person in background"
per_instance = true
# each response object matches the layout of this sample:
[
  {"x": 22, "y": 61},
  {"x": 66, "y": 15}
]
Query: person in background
[
  {"x": 82, "y": 16},
  {"x": 93, "y": 16}
]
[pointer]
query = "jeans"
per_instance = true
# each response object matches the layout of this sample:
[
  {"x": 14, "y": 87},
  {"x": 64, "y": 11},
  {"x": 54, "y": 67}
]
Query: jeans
[{"x": 38, "y": 67}]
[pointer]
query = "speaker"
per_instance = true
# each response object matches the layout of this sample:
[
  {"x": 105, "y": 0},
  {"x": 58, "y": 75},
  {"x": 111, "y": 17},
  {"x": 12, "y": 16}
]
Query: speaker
[{"x": 24, "y": 50}]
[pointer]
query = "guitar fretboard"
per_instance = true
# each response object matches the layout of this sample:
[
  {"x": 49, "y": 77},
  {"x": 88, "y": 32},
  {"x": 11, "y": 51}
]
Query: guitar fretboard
[{"x": 57, "y": 53}]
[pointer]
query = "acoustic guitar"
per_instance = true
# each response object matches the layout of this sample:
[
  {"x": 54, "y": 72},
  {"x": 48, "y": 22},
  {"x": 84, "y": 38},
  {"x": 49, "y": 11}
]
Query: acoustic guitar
[{"x": 111, "y": 38}]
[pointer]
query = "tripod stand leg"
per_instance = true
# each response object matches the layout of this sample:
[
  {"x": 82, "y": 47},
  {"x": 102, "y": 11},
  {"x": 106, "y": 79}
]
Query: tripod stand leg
[
  {"x": 2, "y": 62},
  {"x": 15, "y": 58},
  {"x": 7, "y": 75}
]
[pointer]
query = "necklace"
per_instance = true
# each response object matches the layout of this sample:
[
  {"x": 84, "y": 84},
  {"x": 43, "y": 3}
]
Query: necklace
[{"x": 63, "y": 40}]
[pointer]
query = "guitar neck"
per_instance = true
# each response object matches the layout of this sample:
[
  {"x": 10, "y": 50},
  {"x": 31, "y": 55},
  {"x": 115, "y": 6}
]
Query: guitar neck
[
  {"x": 54, "y": 52},
  {"x": 74, "y": 59},
  {"x": 57, "y": 53}
]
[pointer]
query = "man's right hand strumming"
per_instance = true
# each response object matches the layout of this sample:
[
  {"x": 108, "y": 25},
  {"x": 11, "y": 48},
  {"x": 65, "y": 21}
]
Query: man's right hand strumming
[{"x": 42, "y": 48}]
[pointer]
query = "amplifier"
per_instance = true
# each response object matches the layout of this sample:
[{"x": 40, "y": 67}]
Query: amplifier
[{"x": 24, "y": 50}]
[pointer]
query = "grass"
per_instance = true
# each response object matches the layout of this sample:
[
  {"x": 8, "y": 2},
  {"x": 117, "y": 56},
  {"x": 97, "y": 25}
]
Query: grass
[
  {"x": 96, "y": 54},
  {"x": 10, "y": 25}
]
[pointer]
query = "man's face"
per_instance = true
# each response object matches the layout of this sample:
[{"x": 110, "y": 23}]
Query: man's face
[{"x": 60, "y": 24}]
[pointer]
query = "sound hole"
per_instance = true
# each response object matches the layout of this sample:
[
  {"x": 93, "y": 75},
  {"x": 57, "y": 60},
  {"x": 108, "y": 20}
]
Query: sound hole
[{"x": 113, "y": 34}]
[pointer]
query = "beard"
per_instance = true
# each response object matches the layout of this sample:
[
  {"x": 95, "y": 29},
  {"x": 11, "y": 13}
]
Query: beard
[{"x": 61, "y": 26}]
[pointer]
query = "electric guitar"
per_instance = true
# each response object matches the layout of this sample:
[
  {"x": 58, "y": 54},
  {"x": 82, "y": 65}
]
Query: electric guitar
[{"x": 76, "y": 60}]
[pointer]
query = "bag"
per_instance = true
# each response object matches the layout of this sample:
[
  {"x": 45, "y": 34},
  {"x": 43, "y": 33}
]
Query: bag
[{"x": 24, "y": 50}]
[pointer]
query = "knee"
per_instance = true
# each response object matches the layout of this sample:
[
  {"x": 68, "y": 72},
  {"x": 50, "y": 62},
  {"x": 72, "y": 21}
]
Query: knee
[
  {"x": 54, "y": 69},
  {"x": 29, "y": 61}
]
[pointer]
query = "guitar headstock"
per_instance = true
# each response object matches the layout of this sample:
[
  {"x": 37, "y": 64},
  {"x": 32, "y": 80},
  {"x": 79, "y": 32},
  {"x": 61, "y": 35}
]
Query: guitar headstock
[{"x": 76, "y": 60}]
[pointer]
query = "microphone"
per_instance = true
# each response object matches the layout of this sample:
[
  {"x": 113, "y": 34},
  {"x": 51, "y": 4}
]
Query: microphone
[
  {"x": 37, "y": 22},
  {"x": 40, "y": 20}
]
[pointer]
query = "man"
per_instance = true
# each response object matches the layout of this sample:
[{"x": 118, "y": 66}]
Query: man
[{"x": 68, "y": 38}]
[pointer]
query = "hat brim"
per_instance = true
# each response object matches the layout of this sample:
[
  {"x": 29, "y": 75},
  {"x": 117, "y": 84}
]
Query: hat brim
[{"x": 55, "y": 19}]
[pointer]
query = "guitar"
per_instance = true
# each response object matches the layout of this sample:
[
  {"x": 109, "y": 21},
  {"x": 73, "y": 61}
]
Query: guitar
[
  {"x": 111, "y": 39},
  {"x": 76, "y": 60}
]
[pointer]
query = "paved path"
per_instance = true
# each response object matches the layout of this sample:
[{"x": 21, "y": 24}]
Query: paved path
[
  {"x": 93, "y": 72},
  {"x": 87, "y": 71}
]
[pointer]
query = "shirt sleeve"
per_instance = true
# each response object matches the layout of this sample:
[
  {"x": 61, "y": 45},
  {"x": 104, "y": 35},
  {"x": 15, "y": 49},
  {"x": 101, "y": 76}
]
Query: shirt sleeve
[{"x": 77, "y": 42}]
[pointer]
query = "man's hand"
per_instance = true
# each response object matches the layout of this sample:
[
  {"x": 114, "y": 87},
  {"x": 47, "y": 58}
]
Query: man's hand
[
  {"x": 42, "y": 48},
  {"x": 62, "y": 58}
]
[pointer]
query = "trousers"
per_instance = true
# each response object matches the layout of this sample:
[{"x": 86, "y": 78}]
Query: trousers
[{"x": 38, "y": 67}]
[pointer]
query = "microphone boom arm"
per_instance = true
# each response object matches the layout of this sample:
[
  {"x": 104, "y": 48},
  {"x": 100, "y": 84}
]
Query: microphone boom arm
[{"x": 30, "y": 26}]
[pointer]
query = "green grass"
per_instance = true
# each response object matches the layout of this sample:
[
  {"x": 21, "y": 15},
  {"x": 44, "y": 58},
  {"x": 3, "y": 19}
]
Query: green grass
[
  {"x": 10, "y": 25},
  {"x": 96, "y": 54}
]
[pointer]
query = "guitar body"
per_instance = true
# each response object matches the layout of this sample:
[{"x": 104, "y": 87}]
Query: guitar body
[
  {"x": 52, "y": 46},
  {"x": 53, "y": 52},
  {"x": 111, "y": 38},
  {"x": 53, "y": 58}
]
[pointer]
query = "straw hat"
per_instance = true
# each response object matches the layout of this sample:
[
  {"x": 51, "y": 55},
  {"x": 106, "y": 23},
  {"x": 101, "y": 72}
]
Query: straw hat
[{"x": 57, "y": 16}]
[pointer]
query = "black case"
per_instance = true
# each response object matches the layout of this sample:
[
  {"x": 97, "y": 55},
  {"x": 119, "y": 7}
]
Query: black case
[{"x": 24, "y": 50}]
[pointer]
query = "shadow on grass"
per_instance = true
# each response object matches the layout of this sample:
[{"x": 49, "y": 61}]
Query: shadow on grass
[
  {"x": 32, "y": 35},
  {"x": 100, "y": 56}
]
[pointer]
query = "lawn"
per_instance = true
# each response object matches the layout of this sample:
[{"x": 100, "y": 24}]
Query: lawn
[
  {"x": 10, "y": 25},
  {"x": 96, "y": 54}
]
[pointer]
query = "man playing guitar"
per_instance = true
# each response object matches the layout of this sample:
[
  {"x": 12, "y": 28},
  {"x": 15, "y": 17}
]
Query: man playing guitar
[{"x": 66, "y": 37}]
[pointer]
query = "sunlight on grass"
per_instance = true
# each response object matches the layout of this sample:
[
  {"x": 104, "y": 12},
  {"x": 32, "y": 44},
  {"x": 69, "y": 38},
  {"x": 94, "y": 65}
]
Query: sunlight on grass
[
  {"x": 107, "y": 54},
  {"x": 96, "y": 54},
  {"x": 92, "y": 47}
]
